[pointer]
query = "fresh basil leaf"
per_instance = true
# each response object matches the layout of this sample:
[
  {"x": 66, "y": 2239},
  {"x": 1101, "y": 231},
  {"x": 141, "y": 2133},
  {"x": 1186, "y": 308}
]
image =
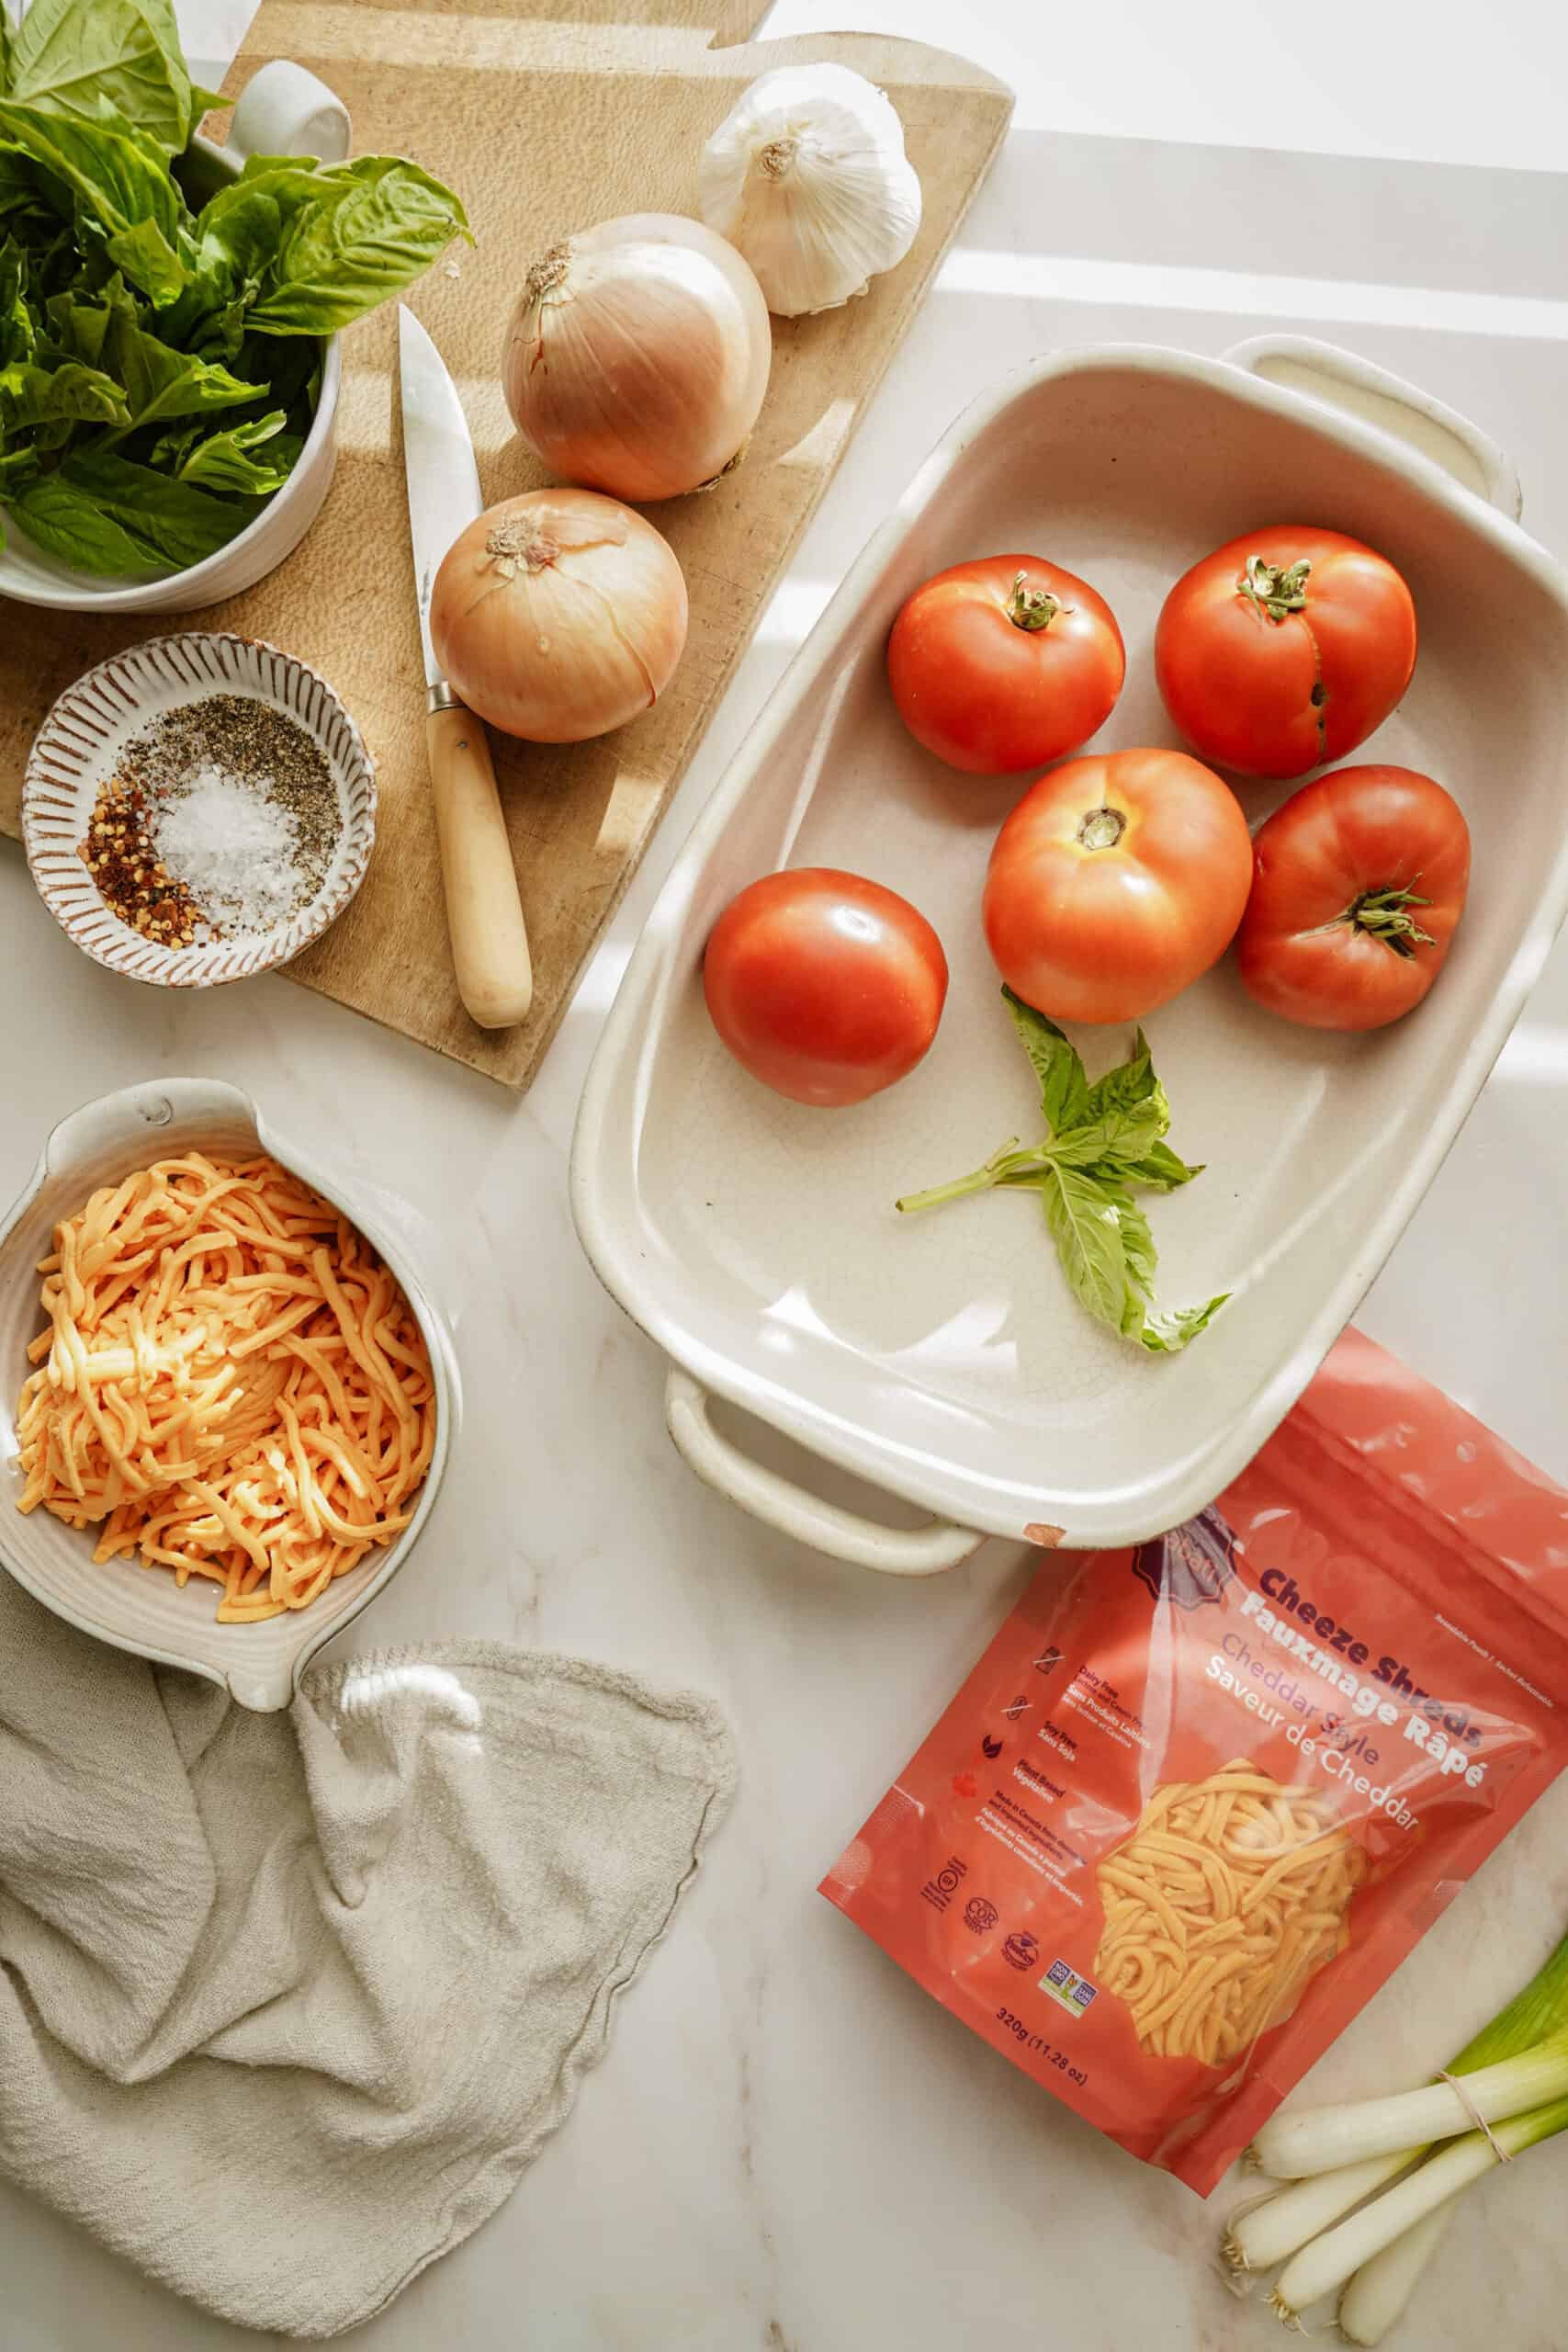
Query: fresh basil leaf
[
  {"x": 1063, "y": 1088},
  {"x": 365, "y": 230},
  {"x": 162, "y": 383},
  {"x": 234, "y": 238},
  {"x": 149, "y": 261},
  {"x": 255, "y": 167},
  {"x": 1116, "y": 1136},
  {"x": 18, "y": 188},
  {"x": 1137, "y": 1241},
  {"x": 236, "y": 234},
  {"x": 81, "y": 327},
  {"x": 1086, "y": 1231},
  {"x": 19, "y": 327},
  {"x": 293, "y": 367},
  {"x": 33, "y": 395},
  {"x": 203, "y": 101},
  {"x": 1166, "y": 1335},
  {"x": 1127, "y": 1087},
  {"x": 105, "y": 514},
  {"x": 20, "y": 465},
  {"x": 225, "y": 461},
  {"x": 114, "y": 178},
  {"x": 77, "y": 56},
  {"x": 1157, "y": 1171},
  {"x": 1160, "y": 1334}
]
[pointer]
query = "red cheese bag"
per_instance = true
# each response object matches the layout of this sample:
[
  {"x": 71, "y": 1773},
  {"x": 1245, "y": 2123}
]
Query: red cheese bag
[{"x": 1200, "y": 1799}]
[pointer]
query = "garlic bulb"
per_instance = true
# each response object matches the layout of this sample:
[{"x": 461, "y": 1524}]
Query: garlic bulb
[{"x": 807, "y": 177}]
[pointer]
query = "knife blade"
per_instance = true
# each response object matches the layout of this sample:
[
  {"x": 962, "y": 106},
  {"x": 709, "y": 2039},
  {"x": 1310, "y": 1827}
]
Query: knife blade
[{"x": 484, "y": 912}]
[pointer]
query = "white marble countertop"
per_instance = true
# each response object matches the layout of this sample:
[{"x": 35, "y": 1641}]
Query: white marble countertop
[{"x": 789, "y": 2147}]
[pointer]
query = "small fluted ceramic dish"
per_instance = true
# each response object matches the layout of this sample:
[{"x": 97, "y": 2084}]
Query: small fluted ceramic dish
[
  {"x": 136, "y": 1608},
  {"x": 87, "y": 732}
]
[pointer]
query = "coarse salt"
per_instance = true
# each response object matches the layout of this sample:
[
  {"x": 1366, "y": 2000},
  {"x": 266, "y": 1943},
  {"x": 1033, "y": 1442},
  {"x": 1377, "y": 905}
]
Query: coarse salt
[{"x": 236, "y": 850}]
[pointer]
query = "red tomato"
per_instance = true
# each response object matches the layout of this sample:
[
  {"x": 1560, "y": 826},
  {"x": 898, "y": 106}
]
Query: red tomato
[
  {"x": 1116, "y": 880},
  {"x": 1359, "y": 884},
  {"x": 1284, "y": 648},
  {"x": 1005, "y": 663},
  {"x": 825, "y": 986}
]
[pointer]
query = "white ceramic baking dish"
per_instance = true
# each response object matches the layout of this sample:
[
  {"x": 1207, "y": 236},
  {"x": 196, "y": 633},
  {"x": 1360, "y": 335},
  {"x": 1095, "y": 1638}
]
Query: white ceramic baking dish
[
  {"x": 943, "y": 1358},
  {"x": 134, "y": 1607}
]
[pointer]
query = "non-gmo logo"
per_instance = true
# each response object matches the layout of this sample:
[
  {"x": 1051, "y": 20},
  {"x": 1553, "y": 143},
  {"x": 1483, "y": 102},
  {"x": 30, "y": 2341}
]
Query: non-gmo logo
[{"x": 1067, "y": 1986}]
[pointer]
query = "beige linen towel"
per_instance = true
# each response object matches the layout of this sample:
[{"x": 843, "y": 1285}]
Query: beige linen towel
[{"x": 288, "y": 2001}]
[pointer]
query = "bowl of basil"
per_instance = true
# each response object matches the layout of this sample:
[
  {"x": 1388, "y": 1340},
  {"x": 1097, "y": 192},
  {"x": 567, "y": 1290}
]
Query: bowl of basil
[{"x": 170, "y": 309}]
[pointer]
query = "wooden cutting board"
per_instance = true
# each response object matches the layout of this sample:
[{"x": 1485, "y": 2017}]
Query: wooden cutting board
[{"x": 544, "y": 124}]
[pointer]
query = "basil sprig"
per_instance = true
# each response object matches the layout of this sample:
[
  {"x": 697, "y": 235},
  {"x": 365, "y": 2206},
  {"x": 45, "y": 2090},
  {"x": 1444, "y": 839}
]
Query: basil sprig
[{"x": 1105, "y": 1143}]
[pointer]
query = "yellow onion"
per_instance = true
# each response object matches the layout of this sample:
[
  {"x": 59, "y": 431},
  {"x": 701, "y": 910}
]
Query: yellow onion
[
  {"x": 558, "y": 615},
  {"x": 637, "y": 358}
]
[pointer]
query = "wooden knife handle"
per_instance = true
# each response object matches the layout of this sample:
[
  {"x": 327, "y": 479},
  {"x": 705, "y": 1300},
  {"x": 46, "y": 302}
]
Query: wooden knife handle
[{"x": 484, "y": 914}]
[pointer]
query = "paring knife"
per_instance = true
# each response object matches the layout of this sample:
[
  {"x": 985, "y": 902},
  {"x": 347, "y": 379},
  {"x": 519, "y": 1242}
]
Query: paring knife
[{"x": 484, "y": 914}]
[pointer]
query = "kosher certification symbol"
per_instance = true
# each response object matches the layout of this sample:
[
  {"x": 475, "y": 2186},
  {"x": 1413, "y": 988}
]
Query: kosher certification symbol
[
  {"x": 980, "y": 1915},
  {"x": 1020, "y": 1950}
]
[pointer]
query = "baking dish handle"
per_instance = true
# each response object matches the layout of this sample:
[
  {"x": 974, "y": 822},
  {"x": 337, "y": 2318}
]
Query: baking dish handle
[
  {"x": 778, "y": 1502},
  {"x": 1344, "y": 380}
]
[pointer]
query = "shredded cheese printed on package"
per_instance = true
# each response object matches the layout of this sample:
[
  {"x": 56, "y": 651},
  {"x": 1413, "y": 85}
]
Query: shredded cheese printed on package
[
  {"x": 1228, "y": 1897},
  {"x": 232, "y": 1383}
]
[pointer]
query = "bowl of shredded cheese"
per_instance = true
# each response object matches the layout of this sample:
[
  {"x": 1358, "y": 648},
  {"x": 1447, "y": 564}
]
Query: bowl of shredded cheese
[
  {"x": 226, "y": 1399},
  {"x": 198, "y": 809}
]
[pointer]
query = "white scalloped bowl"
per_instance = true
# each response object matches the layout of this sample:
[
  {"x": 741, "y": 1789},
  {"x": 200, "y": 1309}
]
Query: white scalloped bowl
[
  {"x": 121, "y": 1602},
  {"x": 78, "y": 746}
]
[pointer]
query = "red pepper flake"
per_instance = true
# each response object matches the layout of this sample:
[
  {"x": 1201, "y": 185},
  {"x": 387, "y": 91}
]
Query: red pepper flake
[{"x": 121, "y": 856}]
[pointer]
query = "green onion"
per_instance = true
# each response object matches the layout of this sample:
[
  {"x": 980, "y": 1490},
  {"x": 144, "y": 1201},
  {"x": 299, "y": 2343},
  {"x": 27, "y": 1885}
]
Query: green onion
[
  {"x": 1324, "y": 2267},
  {"x": 1264, "y": 2234},
  {"x": 1272, "y": 2231},
  {"x": 1318, "y": 2138},
  {"x": 1379, "y": 2290}
]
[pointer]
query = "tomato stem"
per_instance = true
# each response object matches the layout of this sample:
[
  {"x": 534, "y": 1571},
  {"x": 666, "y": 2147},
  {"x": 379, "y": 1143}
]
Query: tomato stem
[
  {"x": 1103, "y": 828},
  {"x": 1386, "y": 915},
  {"x": 1276, "y": 589},
  {"x": 1032, "y": 608}
]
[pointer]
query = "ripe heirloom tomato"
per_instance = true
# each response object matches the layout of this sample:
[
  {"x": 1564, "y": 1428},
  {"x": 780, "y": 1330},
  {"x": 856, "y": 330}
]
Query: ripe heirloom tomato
[
  {"x": 1116, "y": 880},
  {"x": 1005, "y": 663},
  {"x": 824, "y": 985},
  {"x": 1284, "y": 648},
  {"x": 1359, "y": 883}
]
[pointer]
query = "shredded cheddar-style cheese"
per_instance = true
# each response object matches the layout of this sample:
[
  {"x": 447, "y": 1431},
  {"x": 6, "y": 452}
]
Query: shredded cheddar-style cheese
[
  {"x": 232, "y": 1383},
  {"x": 1228, "y": 1897}
]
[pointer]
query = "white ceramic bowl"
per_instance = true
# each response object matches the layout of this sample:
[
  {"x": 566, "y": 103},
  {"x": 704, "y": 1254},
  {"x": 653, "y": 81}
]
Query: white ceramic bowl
[
  {"x": 139, "y": 1609},
  {"x": 284, "y": 111},
  {"x": 78, "y": 746}
]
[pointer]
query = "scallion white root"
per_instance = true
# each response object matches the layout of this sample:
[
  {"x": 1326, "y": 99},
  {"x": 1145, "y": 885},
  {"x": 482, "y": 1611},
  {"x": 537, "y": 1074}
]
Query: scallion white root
[
  {"x": 1325, "y": 2266},
  {"x": 1321, "y": 2139},
  {"x": 1269, "y": 2231},
  {"x": 1377, "y": 2295}
]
